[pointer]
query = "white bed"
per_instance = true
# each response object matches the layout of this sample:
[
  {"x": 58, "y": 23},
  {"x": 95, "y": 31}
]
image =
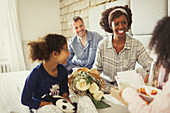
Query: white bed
[{"x": 11, "y": 86}]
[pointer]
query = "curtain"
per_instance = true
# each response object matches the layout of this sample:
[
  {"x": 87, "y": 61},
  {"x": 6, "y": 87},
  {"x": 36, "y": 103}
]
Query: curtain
[{"x": 12, "y": 34}]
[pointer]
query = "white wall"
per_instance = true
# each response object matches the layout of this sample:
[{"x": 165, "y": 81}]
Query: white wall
[
  {"x": 37, "y": 18},
  {"x": 145, "y": 15}
]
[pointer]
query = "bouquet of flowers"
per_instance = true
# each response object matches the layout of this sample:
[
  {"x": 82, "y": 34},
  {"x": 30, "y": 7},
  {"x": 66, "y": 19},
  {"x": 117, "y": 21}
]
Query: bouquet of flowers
[{"x": 88, "y": 82}]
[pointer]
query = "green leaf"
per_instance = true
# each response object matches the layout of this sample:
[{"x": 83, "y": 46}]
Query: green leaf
[
  {"x": 100, "y": 104},
  {"x": 89, "y": 80},
  {"x": 102, "y": 97}
]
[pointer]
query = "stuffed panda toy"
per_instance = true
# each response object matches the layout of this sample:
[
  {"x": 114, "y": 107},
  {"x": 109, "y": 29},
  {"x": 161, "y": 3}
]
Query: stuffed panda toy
[{"x": 62, "y": 103}]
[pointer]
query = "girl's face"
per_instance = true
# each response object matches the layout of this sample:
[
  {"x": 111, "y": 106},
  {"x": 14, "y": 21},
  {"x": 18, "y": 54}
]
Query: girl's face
[
  {"x": 63, "y": 55},
  {"x": 119, "y": 26}
]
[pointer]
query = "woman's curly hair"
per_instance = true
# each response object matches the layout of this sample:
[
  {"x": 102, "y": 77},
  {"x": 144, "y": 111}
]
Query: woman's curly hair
[
  {"x": 43, "y": 47},
  {"x": 104, "y": 21},
  {"x": 160, "y": 41}
]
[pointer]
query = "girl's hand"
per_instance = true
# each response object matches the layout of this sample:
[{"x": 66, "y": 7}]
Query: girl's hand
[
  {"x": 118, "y": 95},
  {"x": 146, "y": 78},
  {"x": 120, "y": 92},
  {"x": 68, "y": 100},
  {"x": 43, "y": 103},
  {"x": 66, "y": 96},
  {"x": 50, "y": 103}
]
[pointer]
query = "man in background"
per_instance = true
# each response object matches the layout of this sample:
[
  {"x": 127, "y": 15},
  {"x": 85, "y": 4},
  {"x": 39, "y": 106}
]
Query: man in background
[{"x": 82, "y": 46}]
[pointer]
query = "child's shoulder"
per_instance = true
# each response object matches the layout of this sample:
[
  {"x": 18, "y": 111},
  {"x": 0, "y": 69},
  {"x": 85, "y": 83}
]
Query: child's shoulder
[
  {"x": 36, "y": 70},
  {"x": 62, "y": 68},
  {"x": 38, "y": 67}
]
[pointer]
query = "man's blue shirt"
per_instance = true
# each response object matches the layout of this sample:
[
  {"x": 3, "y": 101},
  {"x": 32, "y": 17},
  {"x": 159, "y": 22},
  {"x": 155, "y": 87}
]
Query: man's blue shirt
[{"x": 83, "y": 56}]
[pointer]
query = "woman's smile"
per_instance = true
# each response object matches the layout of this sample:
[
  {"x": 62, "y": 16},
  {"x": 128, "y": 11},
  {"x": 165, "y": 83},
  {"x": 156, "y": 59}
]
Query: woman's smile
[
  {"x": 119, "y": 26},
  {"x": 121, "y": 32}
]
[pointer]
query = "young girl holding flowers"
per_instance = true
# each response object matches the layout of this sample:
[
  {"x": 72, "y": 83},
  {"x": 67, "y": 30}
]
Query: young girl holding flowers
[{"x": 50, "y": 76}]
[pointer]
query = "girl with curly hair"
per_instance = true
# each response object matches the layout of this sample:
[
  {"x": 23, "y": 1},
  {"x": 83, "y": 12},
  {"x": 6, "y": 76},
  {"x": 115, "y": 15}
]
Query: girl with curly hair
[
  {"x": 119, "y": 52},
  {"x": 160, "y": 43},
  {"x": 50, "y": 76}
]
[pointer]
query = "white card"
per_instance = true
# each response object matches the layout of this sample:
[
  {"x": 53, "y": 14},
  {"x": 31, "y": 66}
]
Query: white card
[{"x": 129, "y": 78}]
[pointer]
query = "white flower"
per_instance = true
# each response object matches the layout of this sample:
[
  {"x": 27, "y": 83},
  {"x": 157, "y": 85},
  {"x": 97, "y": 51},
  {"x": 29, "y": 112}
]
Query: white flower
[
  {"x": 82, "y": 85},
  {"x": 98, "y": 95},
  {"x": 93, "y": 88}
]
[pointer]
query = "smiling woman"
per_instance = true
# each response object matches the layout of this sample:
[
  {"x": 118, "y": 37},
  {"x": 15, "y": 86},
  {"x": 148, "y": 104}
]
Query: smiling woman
[{"x": 119, "y": 52}]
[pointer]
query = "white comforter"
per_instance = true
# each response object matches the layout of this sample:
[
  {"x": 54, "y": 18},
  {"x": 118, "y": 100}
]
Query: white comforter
[{"x": 11, "y": 86}]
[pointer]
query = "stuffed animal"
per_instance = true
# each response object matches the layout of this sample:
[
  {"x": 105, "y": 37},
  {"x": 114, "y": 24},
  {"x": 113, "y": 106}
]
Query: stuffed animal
[{"x": 62, "y": 103}]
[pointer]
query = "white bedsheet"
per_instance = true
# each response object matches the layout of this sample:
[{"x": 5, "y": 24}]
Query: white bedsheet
[{"x": 11, "y": 85}]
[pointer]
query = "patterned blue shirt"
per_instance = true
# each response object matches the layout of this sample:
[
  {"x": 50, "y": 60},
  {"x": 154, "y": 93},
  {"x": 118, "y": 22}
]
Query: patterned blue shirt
[{"x": 83, "y": 56}]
